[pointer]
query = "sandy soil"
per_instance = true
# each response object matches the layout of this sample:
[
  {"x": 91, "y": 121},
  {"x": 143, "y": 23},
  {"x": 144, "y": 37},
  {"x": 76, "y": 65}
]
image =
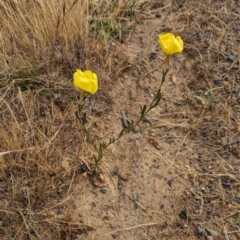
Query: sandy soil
[
  {"x": 159, "y": 177},
  {"x": 176, "y": 176}
]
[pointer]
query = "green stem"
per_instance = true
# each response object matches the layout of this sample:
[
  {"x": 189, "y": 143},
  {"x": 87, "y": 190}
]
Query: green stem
[
  {"x": 82, "y": 94},
  {"x": 144, "y": 111}
]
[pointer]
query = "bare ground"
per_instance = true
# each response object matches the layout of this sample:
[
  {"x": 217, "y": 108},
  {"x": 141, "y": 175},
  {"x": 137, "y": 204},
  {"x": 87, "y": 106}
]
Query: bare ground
[{"x": 175, "y": 177}]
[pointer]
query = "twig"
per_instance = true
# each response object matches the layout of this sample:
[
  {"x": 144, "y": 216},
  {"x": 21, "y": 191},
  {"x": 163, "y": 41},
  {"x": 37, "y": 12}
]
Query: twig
[{"x": 137, "y": 226}]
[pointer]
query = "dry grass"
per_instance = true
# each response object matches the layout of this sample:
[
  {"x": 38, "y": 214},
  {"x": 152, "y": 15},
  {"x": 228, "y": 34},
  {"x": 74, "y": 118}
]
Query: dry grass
[
  {"x": 41, "y": 145},
  {"x": 41, "y": 44}
]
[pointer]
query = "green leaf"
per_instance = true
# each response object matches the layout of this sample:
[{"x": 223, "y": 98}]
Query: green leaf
[
  {"x": 143, "y": 110},
  {"x": 87, "y": 134},
  {"x": 84, "y": 119},
  {"x": 77, "y": 116},
  {"x": 164, "y": 74},
  {"x": 121, "y": 133},
  {"x": 95, "y": 159},
  {"x": 80, "y": 107},
  {"x": 156, "y": 102},
  {"x": 111, "y": 140}
]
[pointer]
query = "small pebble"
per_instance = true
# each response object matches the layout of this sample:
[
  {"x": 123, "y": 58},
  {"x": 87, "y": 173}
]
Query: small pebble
[
  {"x": 112, "y": 173},
  {"x": 210, "y": 238},
  {"x": 200, "y": 231},
  {"x": 152, "y": 56},
  {"x": 231, "y": 57},
  {"x": 169, "y": 182},
  {"x": 42, "y": 112},
  {"x": 213, "y": 232},
  {"x": 114, "y": 235},
  {"x": 180, "y": 224},
  {"x": 145, "y": 186},
  {"x": 103, "y": 190},
  {"x": 133, "y": 221},
  {"x": 218, "y": 81},
  {"x": 120, "y": 199},
  {"x": 86, "y": 102}
]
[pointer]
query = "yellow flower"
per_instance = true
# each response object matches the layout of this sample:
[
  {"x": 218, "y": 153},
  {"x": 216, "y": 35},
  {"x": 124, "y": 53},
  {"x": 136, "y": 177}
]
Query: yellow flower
[
  {"x": 87, "y": 81},
  {"x": 170, "y": 44}
]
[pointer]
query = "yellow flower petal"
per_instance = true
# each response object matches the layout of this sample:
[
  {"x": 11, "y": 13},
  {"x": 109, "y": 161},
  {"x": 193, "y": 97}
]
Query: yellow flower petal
[
  {"x": 86, "y": 81},
  {"x": 170, "y": 44}
]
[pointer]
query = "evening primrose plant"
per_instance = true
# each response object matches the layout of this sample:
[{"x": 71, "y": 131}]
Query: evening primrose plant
[
  {"x": 87, "y": 81},
  {"x": 170, "y": 45}
]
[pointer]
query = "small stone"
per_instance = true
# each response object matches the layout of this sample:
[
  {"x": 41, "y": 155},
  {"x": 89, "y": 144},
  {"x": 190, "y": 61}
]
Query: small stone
[
  {"x": 86, "y": 102},
  {"x": 133, "y": 221},
  {"x": 152, "y": 56},
  {"x": 120, "y": 199},
  {"x": 145, "y": 186},
  {"x": 180, "y": 224},
  {"x": 103, "y": 190},
  {"x": 213, "y": 232},
  {"x": 112, "y": 173},
  {"x": 231, "y": 57},
  {"x": 169, "y": 182},
  {"x": 210, "y": 238},
  {"x": 154, "y": 142},
  {"x": 218, "y": 81},
  {"x": 1, "y": 223},
  {"x": 136, "y": 129},
  {"x": 200, "y": 231},
  {"x": 59, "y": 211},
  {"x": 42, "y": 112},
  {"x": 109, "y": 216},
  {"x": 52, "y": 194},
  {"x": 114, "y": 235},
  {"x": 198, "y": 197}
]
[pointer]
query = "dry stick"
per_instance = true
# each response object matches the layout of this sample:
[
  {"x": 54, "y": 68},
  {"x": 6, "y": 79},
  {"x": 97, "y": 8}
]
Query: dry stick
[
  {"x": 149, "y": 212},
  {"x": 8, "y": 88},
  {"x": 6, "y": 211},
  {"x": 24, "y": 107},
  {"x": 67, "y": 198},
  {"x": 147, "y": 74},
  {"x": 12, "y": 113},
  {"x": 138, "y": 204},
  {"x": 202, "y": 203},
  {"x": 221, "y": 192},
  {"x": 27, "y": 227},
  {"x": 138, "y": 226},
  {"x": 218, "y": 175},
  {"x": 20, "y": 228},
  {"x": 223, "y": 34},
  {"x": 172, "y": 162},
  {"x": 105, "y": 168},
  {"x": 80, "y": 225},
  {"x": 35, "y": 231},
  {"x": 51, "y": 139},
  {"x": 71, "y": 182}
]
